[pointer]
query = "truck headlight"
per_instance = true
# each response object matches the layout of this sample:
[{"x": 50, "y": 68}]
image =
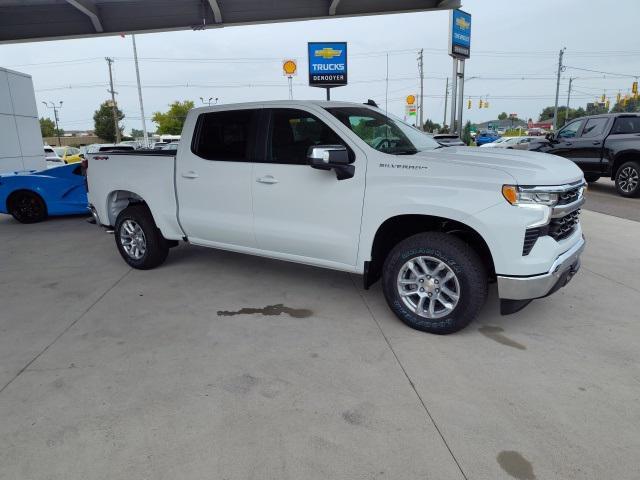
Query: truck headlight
[{"x": 516, "y": 195}]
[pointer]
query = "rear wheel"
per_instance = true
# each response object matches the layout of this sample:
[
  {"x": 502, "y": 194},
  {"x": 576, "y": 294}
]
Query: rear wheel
[
  {"x": 138, "y": 239},
  {"x": 434, "y": 282},
  {"x": 27, "y": 207},
  {"x": 628, "y": 179}
]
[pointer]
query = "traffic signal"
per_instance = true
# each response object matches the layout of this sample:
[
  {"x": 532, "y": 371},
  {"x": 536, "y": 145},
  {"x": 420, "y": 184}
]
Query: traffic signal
[
  {"x": 606, "y": 104},
  {"x": 469, "y": 104},
  {"x": 634, "y": 87},
  {"x": 603, "y": 98},
  {"x": 486, "y": 104},
  {"x": 618, "y": 97},
  {"x": 480, "y": 103}
]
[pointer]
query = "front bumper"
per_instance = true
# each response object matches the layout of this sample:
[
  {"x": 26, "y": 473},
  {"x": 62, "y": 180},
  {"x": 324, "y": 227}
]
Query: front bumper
[{"x": 537, "y": 286}]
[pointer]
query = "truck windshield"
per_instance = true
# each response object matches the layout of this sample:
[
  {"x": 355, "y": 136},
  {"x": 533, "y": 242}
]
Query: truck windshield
[{"x": 384, "y": 133}]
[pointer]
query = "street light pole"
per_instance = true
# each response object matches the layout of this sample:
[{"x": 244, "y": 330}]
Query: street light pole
[
  {"x": 144, "y": 123},
  {"x": 55, "y": 116},
  {"x": 555, "y": 108}
]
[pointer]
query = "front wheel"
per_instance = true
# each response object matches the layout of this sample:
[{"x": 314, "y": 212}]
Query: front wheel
[
  {"x": 628, "y": 179},
  {"x": 434, "y": 282},
  {"x": 138, "y": 239}
]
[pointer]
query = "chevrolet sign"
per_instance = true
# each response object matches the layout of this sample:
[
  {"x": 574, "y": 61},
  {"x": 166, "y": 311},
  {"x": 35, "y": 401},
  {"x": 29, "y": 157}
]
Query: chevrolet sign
[
  {"x": 327, "y": 64},
  {"x": 459, "y": 34}
]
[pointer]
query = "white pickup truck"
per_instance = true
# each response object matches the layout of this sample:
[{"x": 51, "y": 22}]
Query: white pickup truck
[{"x": 344, "y": 186}]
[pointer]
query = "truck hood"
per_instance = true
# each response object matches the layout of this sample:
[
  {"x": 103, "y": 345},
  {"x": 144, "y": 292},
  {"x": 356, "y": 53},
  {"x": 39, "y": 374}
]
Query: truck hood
[{"x": 527, "y": 168}]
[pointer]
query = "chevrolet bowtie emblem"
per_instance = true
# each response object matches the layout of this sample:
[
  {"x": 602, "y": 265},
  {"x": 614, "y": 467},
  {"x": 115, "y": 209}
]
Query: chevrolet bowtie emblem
[
  {"x": 328, "y": 53},
  {"x": 462, "y": 23}
]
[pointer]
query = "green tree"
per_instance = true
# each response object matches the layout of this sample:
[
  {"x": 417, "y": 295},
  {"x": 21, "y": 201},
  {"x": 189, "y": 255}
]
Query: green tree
[
  {"x": 135, "y": 133},
  {"x": 171, "y": 122},
  {"x": 48, "y": 127},
  {"x": 466, "y": 133},
  {"x": 631, "y": 105},
  {"x": 431, "y": 126},
  {"x": 103, "y": 122},
  {"x": 596, "y": 109},
  {"x": 547, "y": 114},
  {"x": 503, "y": 116}
]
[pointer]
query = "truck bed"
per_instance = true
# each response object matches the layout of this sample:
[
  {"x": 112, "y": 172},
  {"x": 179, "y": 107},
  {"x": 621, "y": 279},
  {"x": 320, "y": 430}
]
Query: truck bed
[{"x": 138, "y": 176}]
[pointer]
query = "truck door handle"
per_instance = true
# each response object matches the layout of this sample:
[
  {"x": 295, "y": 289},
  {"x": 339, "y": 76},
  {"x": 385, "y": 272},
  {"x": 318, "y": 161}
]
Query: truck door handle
[
  {"x": 190, "y": 174},
  {"x": 568, "y": 143},
  {"x": 596, "y": 143},
  {"x": 268, "y": 179}
]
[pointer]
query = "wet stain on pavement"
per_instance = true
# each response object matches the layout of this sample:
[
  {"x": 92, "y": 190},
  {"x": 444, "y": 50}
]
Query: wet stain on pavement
[
  {"x": 269, "y": 310},
  {"x": 495, "y": 333},
  {"x": 516, "y": 465},
  {"x": 240, "y": 385}
]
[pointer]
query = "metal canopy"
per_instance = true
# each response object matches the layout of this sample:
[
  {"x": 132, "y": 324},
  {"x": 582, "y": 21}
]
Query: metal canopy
[{"x": 29, "y": 20}]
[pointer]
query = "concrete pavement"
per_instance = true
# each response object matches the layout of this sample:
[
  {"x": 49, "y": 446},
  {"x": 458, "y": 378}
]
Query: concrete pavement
[{"x": 219, "y": 365}]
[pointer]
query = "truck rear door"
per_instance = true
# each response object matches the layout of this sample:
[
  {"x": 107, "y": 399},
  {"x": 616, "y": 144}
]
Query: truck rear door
[
  {"x": 213, "y": 178},
  {"x": 587, "y": 148}
]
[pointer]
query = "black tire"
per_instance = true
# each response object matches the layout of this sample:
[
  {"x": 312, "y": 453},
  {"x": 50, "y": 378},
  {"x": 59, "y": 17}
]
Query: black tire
[
  {"x": 591, "y": 177},
  {"x": 627, "y": 172},
  {"x": 459, "y": 258},
  {"x": 156, "y": 247},
  {"x": 27, "y": 207}
]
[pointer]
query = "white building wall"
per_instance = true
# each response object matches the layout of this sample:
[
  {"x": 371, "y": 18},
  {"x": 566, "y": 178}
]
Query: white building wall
[{"x": 20, "y": 138}]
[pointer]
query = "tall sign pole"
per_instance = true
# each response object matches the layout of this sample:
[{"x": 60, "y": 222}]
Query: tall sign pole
[
  {"x": 327, "y": 65},
  {"x": 290, "y": 70},
  {"x": 114, "y": 107},
  {"x": 144, "y": 123},
  {"x": 421, "y": 67},
  {"x": 459, "y": 50},
  {"x": 555, "y": 108},
  {"x": 446, "y": 98}
]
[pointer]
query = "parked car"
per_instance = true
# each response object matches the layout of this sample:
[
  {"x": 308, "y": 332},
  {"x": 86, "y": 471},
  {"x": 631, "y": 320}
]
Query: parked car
[
  {"x": 172, "y": 147},
  {"x": 448, "y": 140},
  {"x": 32, "y": 196},
  {"x": 68, "y": 154},
  {"x": 105, "y": 147},
  {"x": 436, "y": 224},
  {"x": 486, "y": 136},
  {"x": 602, "y": 146},
  {"x": 494, "y": 144},
  {"x": 512, "y": 142},
  {"x": 51, "y": 157}
]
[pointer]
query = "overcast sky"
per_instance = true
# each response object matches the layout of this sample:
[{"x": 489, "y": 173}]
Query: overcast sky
[{"x": 514, "y": 54}]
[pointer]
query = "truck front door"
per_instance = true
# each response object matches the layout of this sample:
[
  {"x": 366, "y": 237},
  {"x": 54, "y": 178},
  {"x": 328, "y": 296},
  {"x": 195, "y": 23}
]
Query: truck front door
[
  {"x": 587, "y": 148},
  {"x": 299, "y": 210},
  {"x": 213, "y": 179}
]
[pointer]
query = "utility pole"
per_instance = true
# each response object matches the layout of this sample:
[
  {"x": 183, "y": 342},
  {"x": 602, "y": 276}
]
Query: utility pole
[
  {"x": 454, "y": 94},
  {"x": 114, "y": 108},
  {"x": 555, "y": 108},
  {"x": 55, "y": 116},
  {"x": 144, "y": 123},
  {"x": 566, "y": 114},
  {"x": 446, "y": 97},
  {"x": 421, "y": 69}
]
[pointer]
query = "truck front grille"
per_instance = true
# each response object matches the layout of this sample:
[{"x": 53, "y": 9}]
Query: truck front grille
[
  {"x": 570, "y": 196},
  {"x": 561, "y": 228}
]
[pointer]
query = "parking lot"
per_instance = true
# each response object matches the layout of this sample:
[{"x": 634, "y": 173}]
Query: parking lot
[{"x": 219, "y": 365}]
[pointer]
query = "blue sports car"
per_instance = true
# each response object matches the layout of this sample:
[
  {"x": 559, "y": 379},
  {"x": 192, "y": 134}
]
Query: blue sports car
[{"x": 32, "y": 196}]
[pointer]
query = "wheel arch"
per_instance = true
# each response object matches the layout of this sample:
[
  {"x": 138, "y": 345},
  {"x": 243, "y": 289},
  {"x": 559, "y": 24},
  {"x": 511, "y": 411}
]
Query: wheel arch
[
  {"x": 118, "y": 200},
  {"x": 397, "y": 228},
  {"x": 622, "y": 158}
]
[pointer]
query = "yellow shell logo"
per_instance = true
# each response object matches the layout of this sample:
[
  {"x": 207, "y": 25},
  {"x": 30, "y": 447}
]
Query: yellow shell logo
[
  {"x": 411, "y": 99},
  {"x": 289, "y": 67}
]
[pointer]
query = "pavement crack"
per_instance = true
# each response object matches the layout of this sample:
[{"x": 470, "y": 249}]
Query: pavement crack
[
  {"x": 65, "y": 330},
  {"x": 406, "y": 374},
  {"x": 617, "y": 282}
]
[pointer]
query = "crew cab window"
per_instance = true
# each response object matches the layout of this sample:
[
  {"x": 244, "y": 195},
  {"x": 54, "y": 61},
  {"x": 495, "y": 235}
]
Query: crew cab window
[
  {"x": 626, "y": 125},
  {"x": 570, "y": 130},
  {"x": 226, "y": 136},
  {"x": 293, "y": 132},
  {"x": 594, "y": 127}
]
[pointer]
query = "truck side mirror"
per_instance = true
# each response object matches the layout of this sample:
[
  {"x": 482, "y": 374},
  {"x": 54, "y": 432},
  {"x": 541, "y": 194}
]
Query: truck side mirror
[
  {"x": 549, "y": 136},
  {"x": 331, "y": 157}
]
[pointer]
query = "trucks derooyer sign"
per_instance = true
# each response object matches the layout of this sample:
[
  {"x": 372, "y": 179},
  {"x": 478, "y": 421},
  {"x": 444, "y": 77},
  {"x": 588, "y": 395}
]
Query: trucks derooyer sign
[
  {"x": 327, "y": 64},
  {"x": 459, "y": 34}
]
